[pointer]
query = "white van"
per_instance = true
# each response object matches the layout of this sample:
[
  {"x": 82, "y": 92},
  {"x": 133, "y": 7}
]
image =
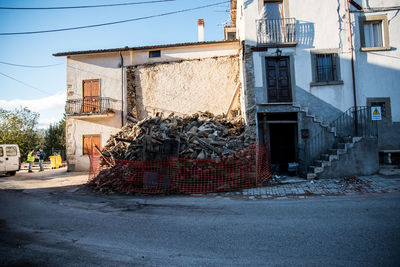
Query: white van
[{"x": 10, "y": 159}]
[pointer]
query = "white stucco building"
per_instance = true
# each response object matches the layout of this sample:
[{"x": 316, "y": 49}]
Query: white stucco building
[{"x": 311, "y": 70}]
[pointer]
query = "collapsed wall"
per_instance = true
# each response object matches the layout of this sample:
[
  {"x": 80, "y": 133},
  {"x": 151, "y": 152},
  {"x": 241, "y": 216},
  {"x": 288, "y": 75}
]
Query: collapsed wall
[{"x": 183, "y": 87}]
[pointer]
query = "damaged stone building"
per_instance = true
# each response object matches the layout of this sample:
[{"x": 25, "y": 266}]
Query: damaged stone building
[
  {"x": 107, "y": 87},
  {"x": 315, "y": 80}
]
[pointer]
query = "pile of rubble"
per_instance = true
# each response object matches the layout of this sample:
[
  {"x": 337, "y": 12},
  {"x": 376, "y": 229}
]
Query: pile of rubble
[{"x": 198, "y": 136}]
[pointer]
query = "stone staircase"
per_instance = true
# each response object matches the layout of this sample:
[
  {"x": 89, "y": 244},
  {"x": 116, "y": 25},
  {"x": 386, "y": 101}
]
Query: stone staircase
[
  {"x": 341, "y": 146},
  {"x": 333, "y": 154},
  {"x": 314, "y": 118}
]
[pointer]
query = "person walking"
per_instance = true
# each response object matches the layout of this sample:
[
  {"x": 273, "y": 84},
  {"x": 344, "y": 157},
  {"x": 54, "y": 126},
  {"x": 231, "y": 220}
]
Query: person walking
[
  {"x": 41, "y": 156},
  {"x": 31, "y": 159}
]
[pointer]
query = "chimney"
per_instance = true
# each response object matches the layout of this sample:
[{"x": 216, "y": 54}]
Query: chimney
[{"x": 200, "y": 24}]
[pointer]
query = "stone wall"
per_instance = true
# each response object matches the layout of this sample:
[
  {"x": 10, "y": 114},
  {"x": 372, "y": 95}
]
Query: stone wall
[
  {"x": 250, "y": 99},
  {"x": 361, "y": 159},
  {"x": 183, "y": 87}
]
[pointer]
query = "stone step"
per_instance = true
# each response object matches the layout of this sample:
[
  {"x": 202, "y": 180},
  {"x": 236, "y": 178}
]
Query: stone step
[
  {"x": 315, "y": 169},
  {"x": 311, "y": 175},
  {"x": 333, "y": 151},
  {"x": 340, "y": 146},
  {"x": 322, "y": 163},
  {"x": 318, "y": 163},
  {"x": 325, "y": 157}
]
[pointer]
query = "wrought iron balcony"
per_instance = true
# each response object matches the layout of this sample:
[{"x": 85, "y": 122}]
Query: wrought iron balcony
[
  {"x": 276, "y": 31},
  {"x": 89, "y": 105}
]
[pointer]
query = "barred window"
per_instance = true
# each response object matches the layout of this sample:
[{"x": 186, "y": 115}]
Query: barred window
[
  {"x": 382, "y": 105},
  {"x": 325, "y": 67}
]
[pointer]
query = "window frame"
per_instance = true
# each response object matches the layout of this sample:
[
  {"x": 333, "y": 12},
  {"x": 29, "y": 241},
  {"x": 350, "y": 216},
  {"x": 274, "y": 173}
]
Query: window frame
[
  {"x": 91, "y": 80},
  {"x": 14, "y": 148},
  {"x": 154, "y": 51},
  {"x": 228, "y": 30},
  {"x": 385, "y": 32},
  {"x": 386, "y": 101},
  {"x": 337, "y": 74},
  {"x": 285, "y": 6}
]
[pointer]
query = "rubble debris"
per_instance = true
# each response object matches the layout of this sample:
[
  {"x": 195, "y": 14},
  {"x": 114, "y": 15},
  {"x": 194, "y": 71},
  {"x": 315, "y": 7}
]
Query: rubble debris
[
  {"x": 199, "y": 136},
  {"x": 355, "y": 183}
]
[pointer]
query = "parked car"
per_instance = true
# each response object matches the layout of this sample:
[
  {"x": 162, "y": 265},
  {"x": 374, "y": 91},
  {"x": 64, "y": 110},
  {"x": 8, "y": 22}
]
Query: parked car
[{"x": 10, "y": 159}]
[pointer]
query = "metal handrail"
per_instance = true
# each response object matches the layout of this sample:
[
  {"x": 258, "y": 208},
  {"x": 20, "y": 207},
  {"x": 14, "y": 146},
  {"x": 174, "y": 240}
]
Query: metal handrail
[
  {"x": 354, "y": 122},
  {"x": 89, "y": 105},
  {"x": 275, "y": 31}
]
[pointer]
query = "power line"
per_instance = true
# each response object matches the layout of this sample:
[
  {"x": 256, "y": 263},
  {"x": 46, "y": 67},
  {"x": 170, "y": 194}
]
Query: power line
[
  {"x": 377, "y": 9},
  {"x": 77, "y": 7},
  {"x": 31, "y": 86},
  {"x": 30, "y": 66},
  {"x": 114, "y": 22}
]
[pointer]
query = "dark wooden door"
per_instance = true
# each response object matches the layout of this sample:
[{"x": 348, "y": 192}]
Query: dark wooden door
[
  {"x": 91, "y": 96},
  {"x": 278, "y": 80}
]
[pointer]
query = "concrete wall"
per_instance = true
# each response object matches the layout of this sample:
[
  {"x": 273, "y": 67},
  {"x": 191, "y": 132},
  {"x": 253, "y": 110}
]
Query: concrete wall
[
  {"x": 186, "y": 87},
  {"x": 382, "y": 64},
  {"x": 378, "y": 72},
  {"x": 361, "y": 159}
]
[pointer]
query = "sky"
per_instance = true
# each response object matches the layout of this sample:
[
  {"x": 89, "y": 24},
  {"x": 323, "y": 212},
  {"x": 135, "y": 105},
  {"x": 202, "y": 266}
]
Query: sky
[{"x": 42, "y": 89}]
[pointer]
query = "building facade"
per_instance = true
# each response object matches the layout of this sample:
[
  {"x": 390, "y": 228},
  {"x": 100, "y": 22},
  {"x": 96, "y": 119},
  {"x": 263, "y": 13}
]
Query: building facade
[
  {"x": 106, "y": 87},
  {"x": 311, "y": 70},
  {"x": 311, "y": 77}
]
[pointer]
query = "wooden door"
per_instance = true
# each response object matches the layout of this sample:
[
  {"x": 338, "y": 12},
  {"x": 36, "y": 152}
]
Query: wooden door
[
  {"x": 278, "y": 80},
  {"x": 89, "y": 140},
  {"x": 91, "y": 96}
]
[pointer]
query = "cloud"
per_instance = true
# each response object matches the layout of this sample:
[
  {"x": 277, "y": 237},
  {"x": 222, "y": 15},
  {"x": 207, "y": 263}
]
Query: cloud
[
  {"x": 38, "y": 105},
  {"x": 50, "y": 108},
  {"x": 45, "y": 122}
]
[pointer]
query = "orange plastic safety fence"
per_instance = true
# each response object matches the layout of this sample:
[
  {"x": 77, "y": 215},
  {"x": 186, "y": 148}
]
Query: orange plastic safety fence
[{"x": 244, "y": 169}]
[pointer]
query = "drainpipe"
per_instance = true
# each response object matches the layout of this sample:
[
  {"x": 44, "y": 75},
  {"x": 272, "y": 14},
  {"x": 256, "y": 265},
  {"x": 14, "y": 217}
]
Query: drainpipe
[
  {"x": 352, "y": 70},
  {"x": 122, "y": 88}
]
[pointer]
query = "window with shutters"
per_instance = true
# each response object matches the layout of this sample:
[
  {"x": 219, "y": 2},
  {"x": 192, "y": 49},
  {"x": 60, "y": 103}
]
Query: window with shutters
[
  {"x": 374, "y": 33},
  {"x": 325, "y": 67},
  {"x": 89, "y": 140},
  {"x": 91, "y": 96}
]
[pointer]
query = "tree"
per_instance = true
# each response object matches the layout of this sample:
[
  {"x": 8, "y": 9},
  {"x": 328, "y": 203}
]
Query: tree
[
  {"x": 19, "y": 127},
  {"x": 54, "y": 139}
]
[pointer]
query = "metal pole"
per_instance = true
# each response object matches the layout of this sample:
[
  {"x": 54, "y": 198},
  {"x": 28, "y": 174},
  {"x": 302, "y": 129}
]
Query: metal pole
[{"x": 352, "y": 71}]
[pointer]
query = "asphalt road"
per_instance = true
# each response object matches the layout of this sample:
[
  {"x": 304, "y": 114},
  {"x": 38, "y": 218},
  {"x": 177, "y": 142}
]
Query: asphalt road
[{"x": 65, "y": 227}]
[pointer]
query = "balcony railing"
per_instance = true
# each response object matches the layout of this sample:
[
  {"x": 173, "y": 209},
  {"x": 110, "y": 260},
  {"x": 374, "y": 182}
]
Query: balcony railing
[
  {"x": 276, "y": 31},
  {"x": 89, "y": 105}
]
